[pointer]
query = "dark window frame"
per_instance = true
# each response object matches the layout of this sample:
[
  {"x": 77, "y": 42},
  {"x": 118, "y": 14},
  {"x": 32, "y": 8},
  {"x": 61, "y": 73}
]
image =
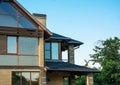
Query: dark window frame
[
  {"x": 59, "y": 51},
  {"x": 17, "y": 52},
  {"x": 20, "y": 72}
]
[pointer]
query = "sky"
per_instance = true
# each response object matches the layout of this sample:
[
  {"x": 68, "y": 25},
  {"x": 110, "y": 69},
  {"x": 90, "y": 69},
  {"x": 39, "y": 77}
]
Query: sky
[{"x": 84, "y": 20}]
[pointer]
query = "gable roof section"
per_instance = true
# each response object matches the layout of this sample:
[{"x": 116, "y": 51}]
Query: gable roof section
[
  {"x": 67, "y": 67},
  {"x": 31, "y": 17}
]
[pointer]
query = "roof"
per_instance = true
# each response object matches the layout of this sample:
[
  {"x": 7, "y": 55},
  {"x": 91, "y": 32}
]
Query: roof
[
  {"x": 67, "y": 67},
  {"x": 68, "y": 40}
]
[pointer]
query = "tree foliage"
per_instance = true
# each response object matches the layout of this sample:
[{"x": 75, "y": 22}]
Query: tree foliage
[{"x": 107, "y": 54}]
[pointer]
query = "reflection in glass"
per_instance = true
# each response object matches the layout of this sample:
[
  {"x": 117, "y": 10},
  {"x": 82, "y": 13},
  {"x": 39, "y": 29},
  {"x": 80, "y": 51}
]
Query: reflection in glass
[
  {"x": 54, "y": 50},
  {"x": 8, "y": 60},
  {"x": 28, "y": 45},
  {"x": 28, "y": 60},
  {"x": 25, "y": 78},
  {"x": 8, "y": 21},
  {"x": 7, "y": 8},
  {"x": 15, "y": 78},
  {"x": 11, "y": 44},
  {"x": 35, "y": 78},
  {"x": 25, "y": 23},
  {"x": 66, "y": 81},
  {"x": 9, "y": 16},
  {"x": 47, "y": 50}
]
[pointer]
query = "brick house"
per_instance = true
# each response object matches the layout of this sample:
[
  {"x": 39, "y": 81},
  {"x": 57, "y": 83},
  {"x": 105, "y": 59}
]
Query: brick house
[{"x": 32, "y": 55}]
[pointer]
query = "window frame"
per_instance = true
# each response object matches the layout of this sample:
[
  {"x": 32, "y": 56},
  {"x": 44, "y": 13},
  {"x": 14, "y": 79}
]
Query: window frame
[
  {"x": 20, "y": 72},
  {"x": 59, "y": 51},
  {"x": 19, "y": 55},
  {"x": 17, "y": 16},
  {"x": 16, "y": 53}
]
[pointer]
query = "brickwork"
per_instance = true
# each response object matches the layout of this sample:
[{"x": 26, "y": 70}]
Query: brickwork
[{"x": 55, "y": 78}]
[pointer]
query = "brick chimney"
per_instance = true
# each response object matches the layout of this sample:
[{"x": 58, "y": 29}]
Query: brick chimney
[{"x": 41, "y": 18}]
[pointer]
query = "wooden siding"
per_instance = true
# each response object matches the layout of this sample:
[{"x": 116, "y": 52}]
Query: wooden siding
[
  {"x": 20, "y": 32},
  {"x": 3, "y": 44}
]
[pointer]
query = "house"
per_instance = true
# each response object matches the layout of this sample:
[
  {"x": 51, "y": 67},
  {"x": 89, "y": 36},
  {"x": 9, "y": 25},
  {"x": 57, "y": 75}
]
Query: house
[{"x": 32, "y": 55}]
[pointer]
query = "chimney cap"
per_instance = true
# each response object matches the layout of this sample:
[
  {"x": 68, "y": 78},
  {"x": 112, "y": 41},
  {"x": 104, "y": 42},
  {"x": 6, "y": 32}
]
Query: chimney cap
[{"x": 39, "y": 15}]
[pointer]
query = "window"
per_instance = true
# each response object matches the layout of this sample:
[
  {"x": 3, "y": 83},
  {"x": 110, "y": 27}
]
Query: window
[
  {"x": 8, "y": 60},
  {"x": 55, "y": 51},
  {"x": 12, "y": 45},
  {"x": 28, "y": 60},
  {"x": 25, "y": 78},
  {"x": 47, "y": 50},
  {"x": 52, "y": 50},
  {"x": 11, "y": 17},
  {"x": 28, "y": 51},
  {"x": 18, "y": 50},
  {"x": 28, "y": 45},
  {"x": 65, "y": 80}
]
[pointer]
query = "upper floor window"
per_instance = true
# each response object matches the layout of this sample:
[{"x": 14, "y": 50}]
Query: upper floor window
[
  {"x": 52, "y": 50},
  {"x": 28, "y": 45},
  {"x": 11, "y": 17},
  {"x": 47, "y": 50},
  {"x": 12, "y": 44},
  {"x": 55, "y": 52},
  {"x": 18, "y": 50}
]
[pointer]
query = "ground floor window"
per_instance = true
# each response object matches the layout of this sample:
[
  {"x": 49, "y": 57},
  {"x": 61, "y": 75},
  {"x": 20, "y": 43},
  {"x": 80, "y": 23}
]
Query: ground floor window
[
  {"x": 65, "y": 80},
  {"x": 25, "y": 78}
]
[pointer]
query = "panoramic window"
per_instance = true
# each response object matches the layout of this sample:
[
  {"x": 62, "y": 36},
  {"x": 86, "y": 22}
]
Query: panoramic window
[
  {"x": 25, "y": 78},
  {"x": 11, "y": 17},
  {"x": 11, "y": 43},
  {"x": 51, "y": 50},
  {"x": 18, "y": 50}
]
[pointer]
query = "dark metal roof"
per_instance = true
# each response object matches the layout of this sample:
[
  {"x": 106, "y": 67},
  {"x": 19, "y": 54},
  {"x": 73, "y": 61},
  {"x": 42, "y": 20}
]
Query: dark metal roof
[
  {"x": 65, "y": 39},
  {"x": 67, "y": 67}
]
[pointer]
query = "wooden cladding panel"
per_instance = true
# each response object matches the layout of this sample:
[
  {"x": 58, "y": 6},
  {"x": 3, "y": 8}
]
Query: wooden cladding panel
[
  {"x": 3, "y": 44},
  {"x": 21, "y": 32}
]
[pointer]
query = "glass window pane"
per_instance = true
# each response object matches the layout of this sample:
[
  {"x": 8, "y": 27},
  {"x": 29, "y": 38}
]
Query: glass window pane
[
  {"x": 47, "y": 50},
  {"x": 47, "y": 54},
  {"x": 11, "y": 44},
  {"x": 66, "y": 81},
  {"x": 15, "y": 78},
  {"x": 8, "y": 21},
  {"x": 25, "y": 78},
  {"x": 8, "y": 60},
  {"x": 7, "y": 8},
  {"x": 28, "y": 60},
  {"x": 54, "y": 50},
  {"x": 35, "y": 78},
  {"x": 25, "y": 23},
  {"x": 28, "y": 46}
]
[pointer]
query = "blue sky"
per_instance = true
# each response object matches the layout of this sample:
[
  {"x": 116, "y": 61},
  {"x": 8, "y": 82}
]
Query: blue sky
[{"x": 84, "y": 20}]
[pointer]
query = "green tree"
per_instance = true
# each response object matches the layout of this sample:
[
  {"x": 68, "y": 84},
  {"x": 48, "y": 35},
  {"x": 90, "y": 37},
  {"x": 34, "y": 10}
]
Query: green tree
[{"x": 107, "y": 54}]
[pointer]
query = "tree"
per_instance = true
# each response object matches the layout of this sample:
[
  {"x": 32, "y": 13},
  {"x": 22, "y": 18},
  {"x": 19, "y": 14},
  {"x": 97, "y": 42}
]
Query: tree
[{"x": 107, "y": 54}]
